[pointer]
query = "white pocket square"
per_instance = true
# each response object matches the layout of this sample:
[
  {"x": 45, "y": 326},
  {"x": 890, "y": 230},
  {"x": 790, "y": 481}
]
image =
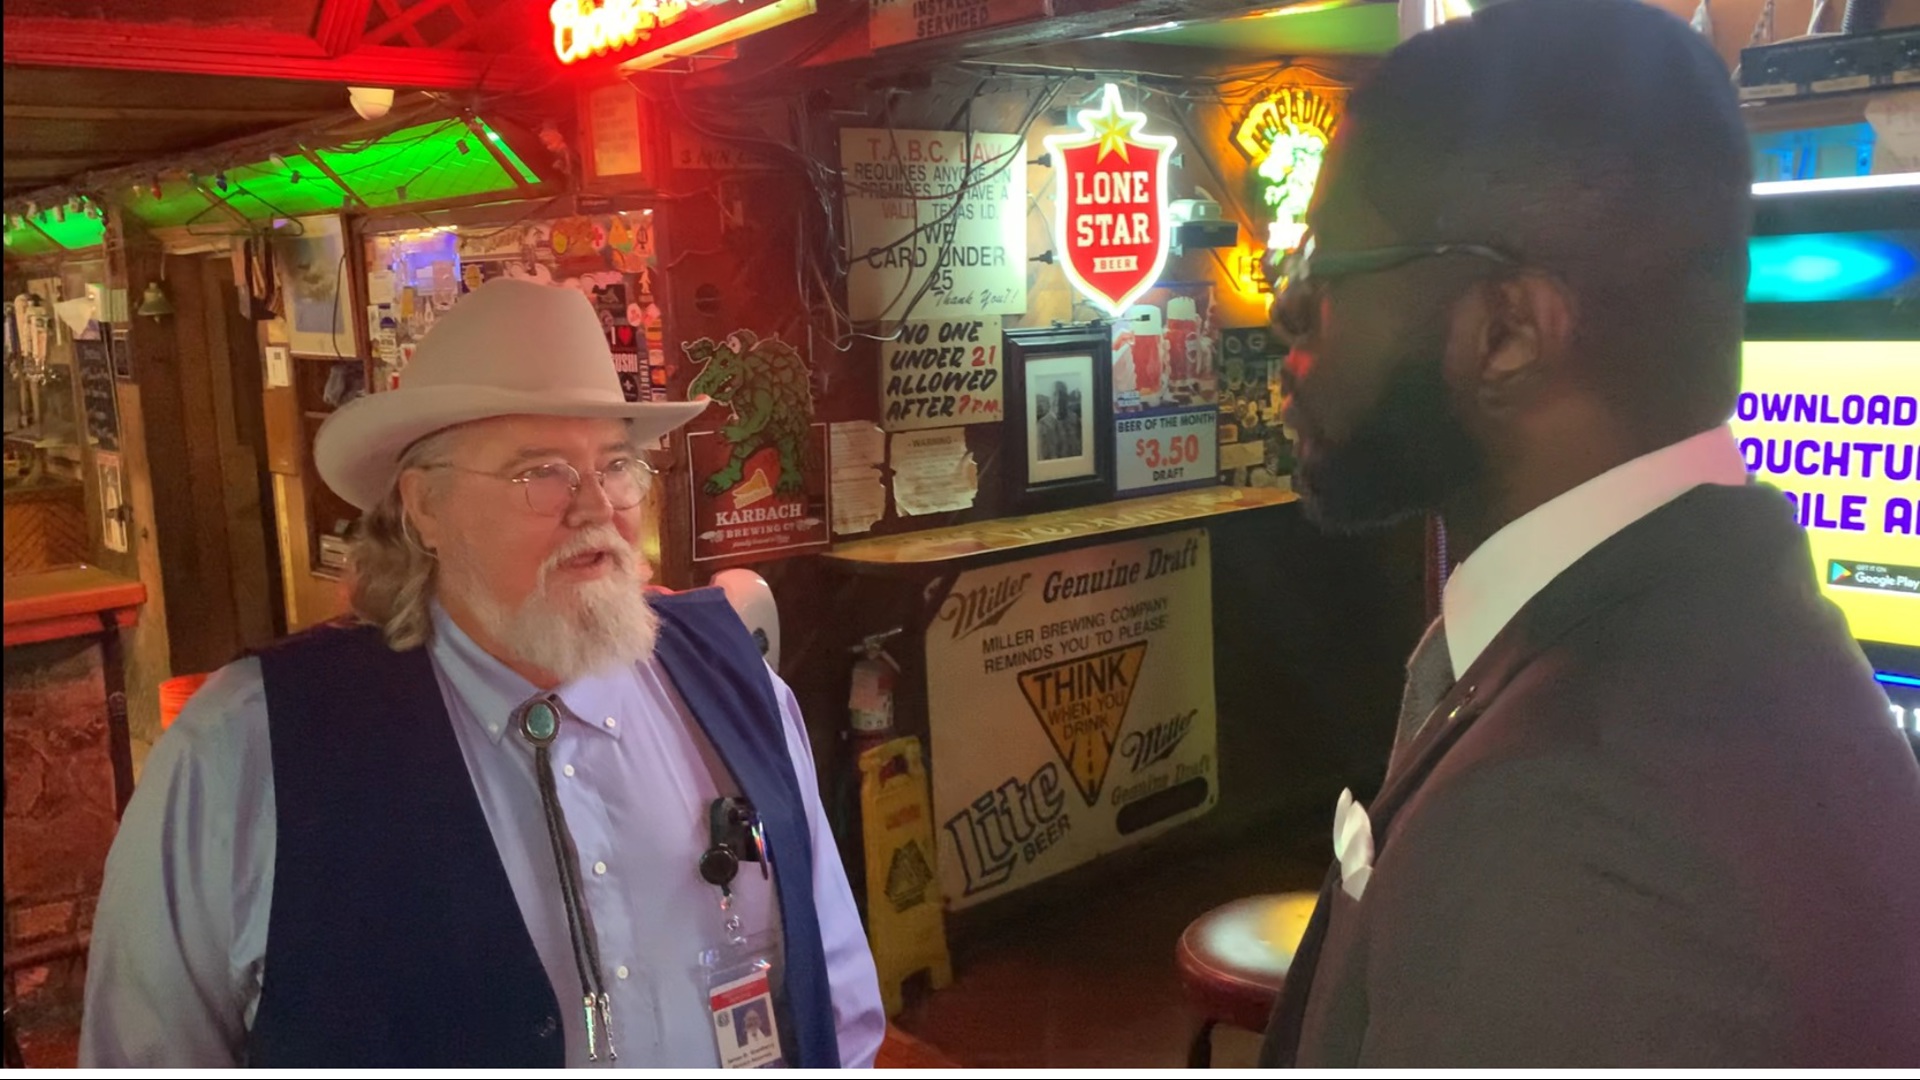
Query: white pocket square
[{"x": 1353, "y": 845}]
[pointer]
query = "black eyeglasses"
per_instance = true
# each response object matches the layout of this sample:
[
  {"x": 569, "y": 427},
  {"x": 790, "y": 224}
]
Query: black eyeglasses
[{"x": 1296, "y": 276}]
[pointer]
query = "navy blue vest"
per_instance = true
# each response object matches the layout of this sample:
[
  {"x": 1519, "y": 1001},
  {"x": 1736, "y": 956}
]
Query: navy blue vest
[{"x": 394, "y": 938}]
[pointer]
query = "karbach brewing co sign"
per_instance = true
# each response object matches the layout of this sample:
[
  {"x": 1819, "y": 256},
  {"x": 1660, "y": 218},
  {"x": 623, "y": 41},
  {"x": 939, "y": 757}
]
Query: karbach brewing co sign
[{"x": 1111, "y": 226}]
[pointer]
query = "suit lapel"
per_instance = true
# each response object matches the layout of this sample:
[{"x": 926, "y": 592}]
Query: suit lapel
[{"x": 1642, "y": 557}]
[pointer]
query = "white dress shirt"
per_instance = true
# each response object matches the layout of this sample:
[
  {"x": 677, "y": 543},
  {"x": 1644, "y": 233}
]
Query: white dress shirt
[
  {"x": 1489, "y": 589},
  {"x": 180, "y": 938}
]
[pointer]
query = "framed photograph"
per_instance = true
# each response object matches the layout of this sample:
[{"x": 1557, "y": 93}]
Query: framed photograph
[
  {"x": 1059, "y": 405},
  {"x": 313, "y": 270}
]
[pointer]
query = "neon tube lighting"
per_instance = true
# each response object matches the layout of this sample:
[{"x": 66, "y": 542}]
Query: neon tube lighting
[{"x": 1838, "y": 183}]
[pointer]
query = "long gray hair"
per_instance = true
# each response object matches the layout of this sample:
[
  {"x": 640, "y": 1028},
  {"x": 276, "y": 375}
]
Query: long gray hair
[{"x": 391, "y": 576}]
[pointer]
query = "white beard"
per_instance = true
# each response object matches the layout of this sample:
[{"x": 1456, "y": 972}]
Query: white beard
[{"x": 581, "y": 630}]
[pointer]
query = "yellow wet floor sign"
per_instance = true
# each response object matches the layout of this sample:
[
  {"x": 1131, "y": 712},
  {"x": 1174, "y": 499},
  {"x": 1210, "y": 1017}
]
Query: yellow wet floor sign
[{"x": 906, "y": 918}]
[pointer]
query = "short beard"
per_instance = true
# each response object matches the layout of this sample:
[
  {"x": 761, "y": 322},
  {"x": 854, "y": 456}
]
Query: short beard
[
  {"x": 582, "y": 630},
  {"x": 1406, "y": 457}
]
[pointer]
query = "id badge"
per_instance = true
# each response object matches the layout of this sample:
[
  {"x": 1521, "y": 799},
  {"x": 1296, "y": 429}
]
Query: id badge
[{"x": 739, "y": 979}]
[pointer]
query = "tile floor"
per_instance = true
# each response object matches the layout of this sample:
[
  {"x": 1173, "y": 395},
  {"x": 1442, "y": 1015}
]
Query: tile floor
[{"x": 1091, "y": 983}]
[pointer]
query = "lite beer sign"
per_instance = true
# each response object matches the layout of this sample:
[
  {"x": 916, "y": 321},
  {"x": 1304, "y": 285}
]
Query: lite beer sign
[{"x": 1111, "y": 224}]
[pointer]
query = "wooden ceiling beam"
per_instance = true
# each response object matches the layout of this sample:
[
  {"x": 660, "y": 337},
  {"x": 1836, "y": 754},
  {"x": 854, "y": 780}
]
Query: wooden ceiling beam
[
  {"x": 165, "y": 114},
  {"x": 90, "y": 43}
]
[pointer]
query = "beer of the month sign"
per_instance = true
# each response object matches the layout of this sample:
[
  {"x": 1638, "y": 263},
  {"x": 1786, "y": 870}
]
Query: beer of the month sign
[
  {"x": 1110, "y": 224},
  {"x": 1072, "y": 712},
  {"x": 936, "y": 224},
  {"x": 941, "y": 374},
  {"x": 1168, "y": 449}
]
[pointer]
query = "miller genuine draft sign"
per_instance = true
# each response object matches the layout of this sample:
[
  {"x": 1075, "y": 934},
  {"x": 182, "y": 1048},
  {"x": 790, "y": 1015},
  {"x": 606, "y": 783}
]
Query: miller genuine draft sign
[
  {"x": 1071, "y": 704},
  {"x": 1111, "y": 226}
]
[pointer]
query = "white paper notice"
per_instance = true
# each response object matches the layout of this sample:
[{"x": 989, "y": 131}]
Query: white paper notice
[
  {"x": 614, "y": 115},
  {"x": 933, "y": 472},
  {"x": 859, "y": 498},
  {"x": 911, "y": 246},
  {"x": 279, "y": 369},
  {"x": 113, "y": 518},
  {"x": 1896, "y": 132},
  {"x": 380, "y": 287}
]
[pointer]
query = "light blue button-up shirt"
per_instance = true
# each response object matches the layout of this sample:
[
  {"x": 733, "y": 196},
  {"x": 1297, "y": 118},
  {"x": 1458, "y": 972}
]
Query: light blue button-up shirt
[{"x": 180, "y": 937}]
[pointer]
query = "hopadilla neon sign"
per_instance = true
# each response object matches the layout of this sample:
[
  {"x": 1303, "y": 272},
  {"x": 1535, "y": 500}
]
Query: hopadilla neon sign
[
  {"x": 1285, "y": 136},
  {"x": 586, "y": 28},
  {"x": 1110, "y": 225}
]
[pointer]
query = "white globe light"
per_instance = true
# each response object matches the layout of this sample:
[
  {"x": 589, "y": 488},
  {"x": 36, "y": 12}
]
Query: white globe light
[{"x": 371, "y": 102}]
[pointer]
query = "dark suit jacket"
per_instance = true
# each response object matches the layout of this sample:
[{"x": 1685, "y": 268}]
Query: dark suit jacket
[{"x": 1664, "y": 820}]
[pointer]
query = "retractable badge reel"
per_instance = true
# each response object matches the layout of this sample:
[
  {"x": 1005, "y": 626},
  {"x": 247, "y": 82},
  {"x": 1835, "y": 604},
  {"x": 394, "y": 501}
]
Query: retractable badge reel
[{"x": 739, "y": 972}]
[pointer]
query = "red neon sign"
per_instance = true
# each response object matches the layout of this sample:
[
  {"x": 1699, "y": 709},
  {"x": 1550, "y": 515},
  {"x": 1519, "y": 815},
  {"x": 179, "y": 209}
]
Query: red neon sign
[
  {"x": 587, "y": 28},
  {"x": 1111, "y": 222}
]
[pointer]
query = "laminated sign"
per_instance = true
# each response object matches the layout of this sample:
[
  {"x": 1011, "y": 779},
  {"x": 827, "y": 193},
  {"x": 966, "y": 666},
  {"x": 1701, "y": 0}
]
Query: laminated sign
[{"x": 1071, "y": 706}]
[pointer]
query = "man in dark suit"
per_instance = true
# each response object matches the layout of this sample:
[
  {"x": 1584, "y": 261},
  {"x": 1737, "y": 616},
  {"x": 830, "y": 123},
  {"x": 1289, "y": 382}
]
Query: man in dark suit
[{"x": 1645, "y": 807}]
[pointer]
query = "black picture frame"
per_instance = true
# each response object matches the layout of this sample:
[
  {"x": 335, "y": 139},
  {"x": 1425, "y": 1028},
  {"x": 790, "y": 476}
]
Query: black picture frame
[{"x": 1051, "y": 465}]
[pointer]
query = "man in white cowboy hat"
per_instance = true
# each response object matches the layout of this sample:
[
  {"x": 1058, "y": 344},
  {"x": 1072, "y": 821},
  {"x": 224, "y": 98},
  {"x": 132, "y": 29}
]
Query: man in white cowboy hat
[{"x": 501, "y": 819}]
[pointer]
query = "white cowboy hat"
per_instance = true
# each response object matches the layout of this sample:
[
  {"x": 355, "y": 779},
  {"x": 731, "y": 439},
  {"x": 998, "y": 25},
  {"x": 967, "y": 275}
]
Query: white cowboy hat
[{"x": 507, "y": 348}]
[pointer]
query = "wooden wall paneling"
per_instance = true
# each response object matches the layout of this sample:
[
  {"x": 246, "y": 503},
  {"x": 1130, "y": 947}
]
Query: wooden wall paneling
[
  {"x": 235, "y": 385},
  {"x": 46, "y": 529},
  {"x": 185, "y": 451},
  {"x": 133, "y": 259}
]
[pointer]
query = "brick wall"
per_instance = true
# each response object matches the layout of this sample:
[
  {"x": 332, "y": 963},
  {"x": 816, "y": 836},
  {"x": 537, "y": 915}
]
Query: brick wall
[{"x": 59, "y": 823}]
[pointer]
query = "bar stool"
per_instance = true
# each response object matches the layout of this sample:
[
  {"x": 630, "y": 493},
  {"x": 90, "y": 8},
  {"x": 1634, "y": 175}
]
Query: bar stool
[
  {"x": 176, "y": 692},
  {"x": 1234, "y": 959}
]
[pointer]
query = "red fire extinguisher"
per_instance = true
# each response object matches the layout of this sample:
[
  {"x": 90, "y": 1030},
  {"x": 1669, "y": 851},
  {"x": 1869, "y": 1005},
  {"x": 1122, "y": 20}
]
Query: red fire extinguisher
[{"x": 870, "y": 699}]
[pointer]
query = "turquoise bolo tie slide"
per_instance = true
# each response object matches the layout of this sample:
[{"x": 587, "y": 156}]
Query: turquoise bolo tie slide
[{"x": 539, "y": 721}]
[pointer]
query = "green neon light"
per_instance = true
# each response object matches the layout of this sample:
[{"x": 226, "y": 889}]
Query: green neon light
[{"x": 420, "y": 164}]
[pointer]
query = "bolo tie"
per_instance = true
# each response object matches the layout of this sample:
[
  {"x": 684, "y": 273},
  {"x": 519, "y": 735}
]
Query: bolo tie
[{"x": 538, "y": 719}]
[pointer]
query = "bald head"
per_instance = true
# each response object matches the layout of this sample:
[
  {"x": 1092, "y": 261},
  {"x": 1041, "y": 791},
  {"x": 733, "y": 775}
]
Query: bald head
[{"x": 1598, "y": 140}]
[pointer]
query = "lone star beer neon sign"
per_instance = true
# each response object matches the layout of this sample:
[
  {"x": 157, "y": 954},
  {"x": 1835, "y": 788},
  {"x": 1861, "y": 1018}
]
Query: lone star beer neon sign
[{"x": 1111, "y": 221}]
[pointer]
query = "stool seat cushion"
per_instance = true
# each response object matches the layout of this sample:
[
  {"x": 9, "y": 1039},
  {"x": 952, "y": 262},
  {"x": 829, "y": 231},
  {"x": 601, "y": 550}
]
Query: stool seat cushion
[{"x": 1234, "y": 959}]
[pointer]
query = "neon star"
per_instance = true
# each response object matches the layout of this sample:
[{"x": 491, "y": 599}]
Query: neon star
[{"x": 1112, "y": 125}]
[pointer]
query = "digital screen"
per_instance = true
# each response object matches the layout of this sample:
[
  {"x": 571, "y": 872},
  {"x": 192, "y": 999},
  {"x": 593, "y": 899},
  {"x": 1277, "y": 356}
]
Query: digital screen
[
  {"x": 1903, "y": 702},
  {"x": 1813, "y": 268},
  {"x": 1834, "y": 426}
]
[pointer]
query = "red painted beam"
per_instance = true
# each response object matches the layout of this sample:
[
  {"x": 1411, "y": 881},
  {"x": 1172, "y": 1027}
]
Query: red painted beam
[
  {"x": 341, "y": 22},
  {"x": 86, "y": 43}
]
